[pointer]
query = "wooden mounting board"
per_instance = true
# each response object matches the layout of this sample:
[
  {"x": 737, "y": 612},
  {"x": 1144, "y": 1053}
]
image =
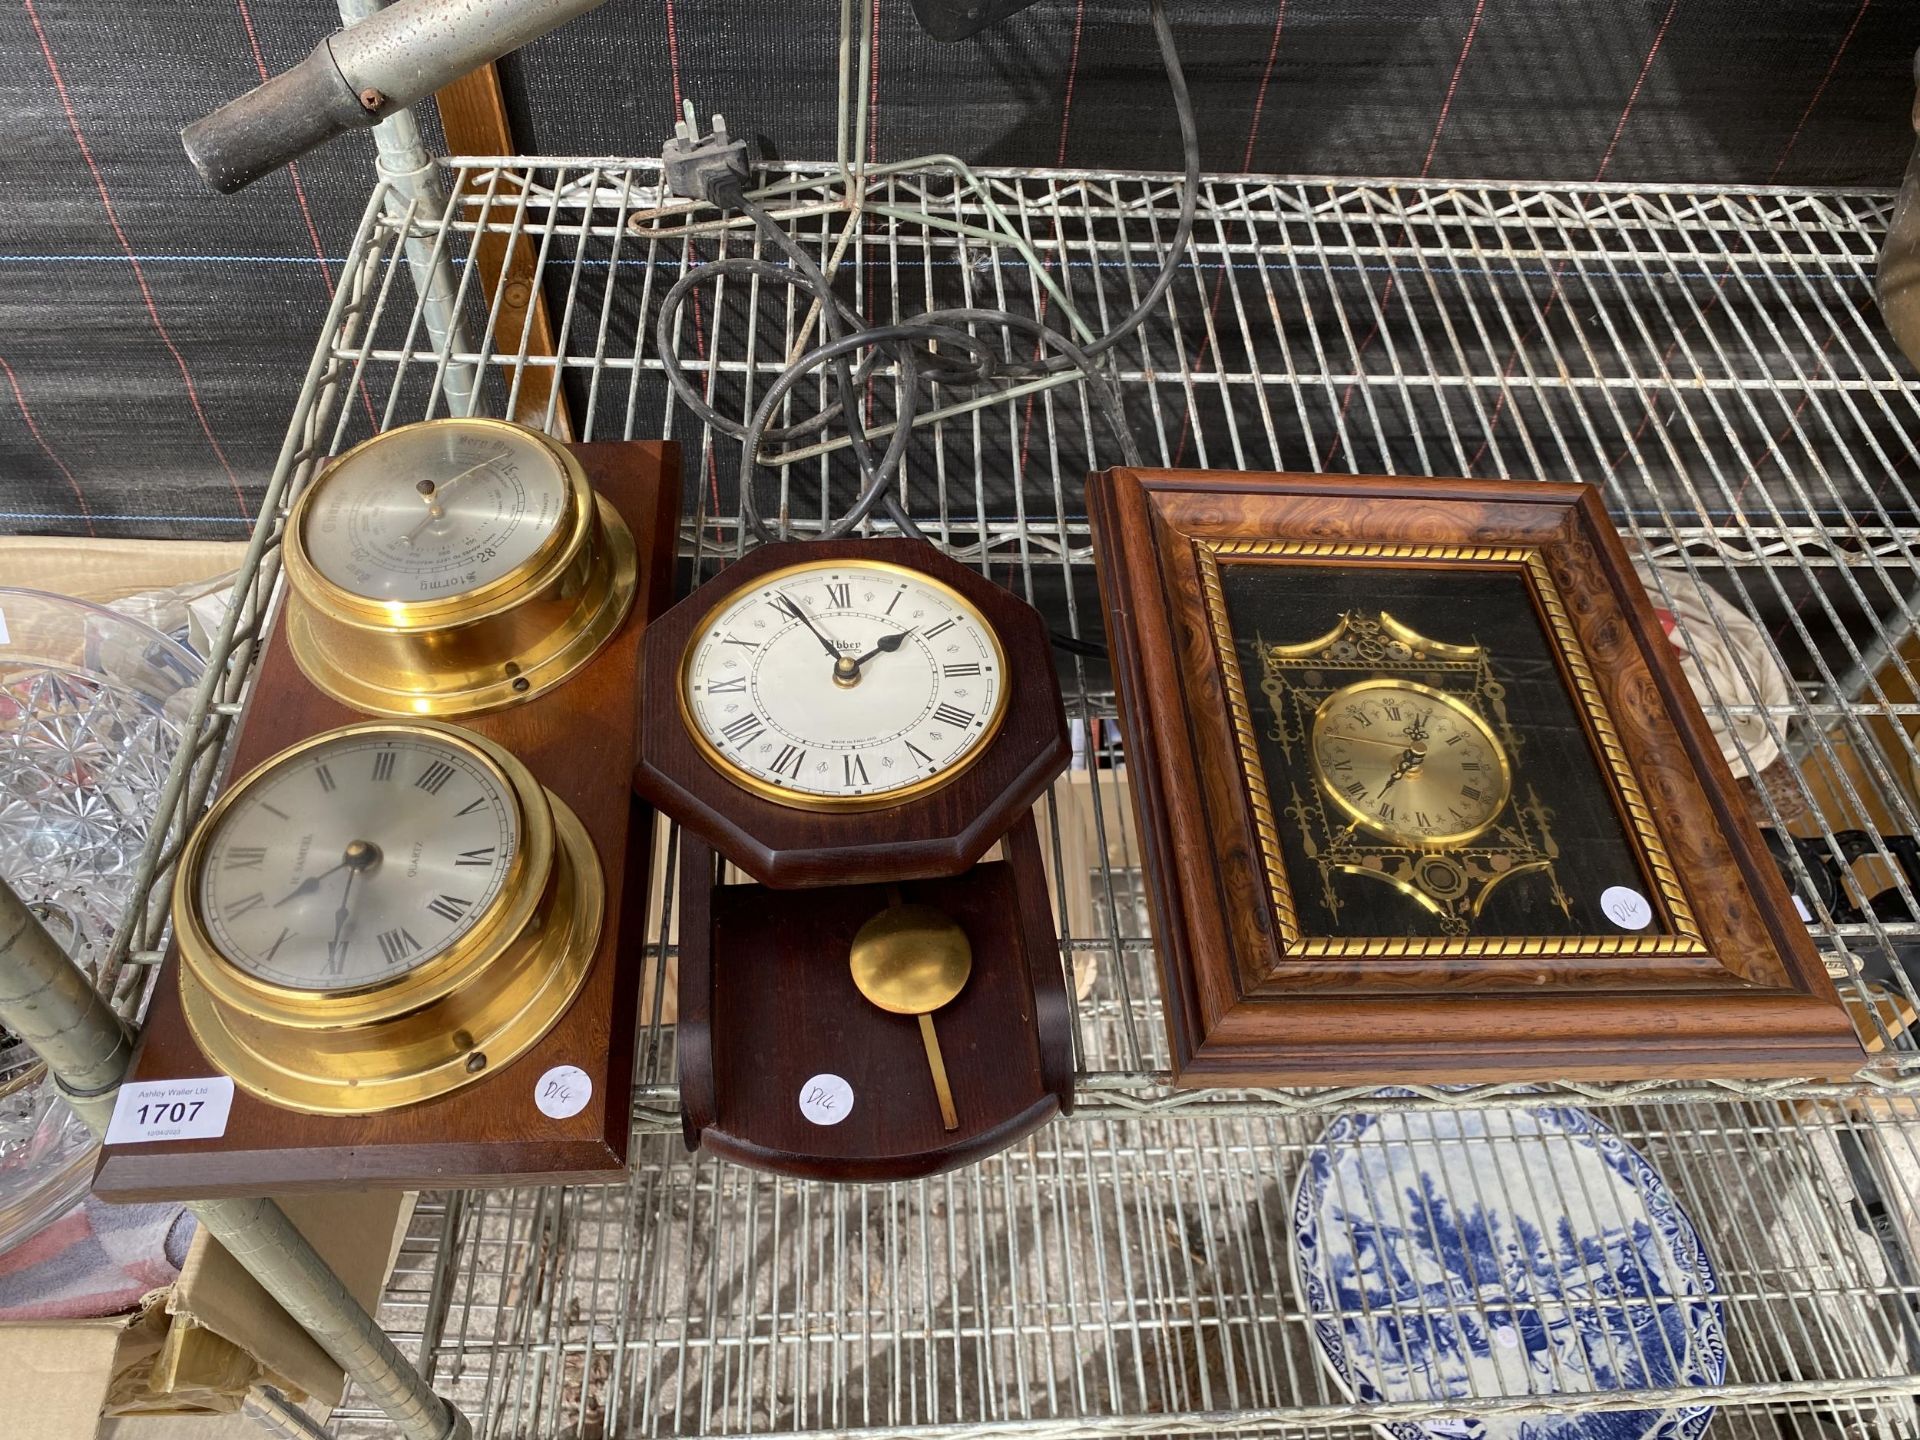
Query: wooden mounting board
[{"x": 578, "y": 740}]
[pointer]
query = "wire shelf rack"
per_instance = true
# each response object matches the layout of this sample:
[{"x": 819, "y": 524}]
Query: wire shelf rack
[{"x": 1711, "y": 359}]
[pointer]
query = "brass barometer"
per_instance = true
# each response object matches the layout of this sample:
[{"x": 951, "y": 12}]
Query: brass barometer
[
  {"x": 380, "y": 915},
  {"x": 450, "y": 567}
]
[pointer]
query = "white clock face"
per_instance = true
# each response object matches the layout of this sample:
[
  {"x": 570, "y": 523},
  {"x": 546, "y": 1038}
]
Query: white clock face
[
  {"x": 434, "y": 510},
  {"x": 357, "y": 861},
  {"x": 844, "y": 682}
]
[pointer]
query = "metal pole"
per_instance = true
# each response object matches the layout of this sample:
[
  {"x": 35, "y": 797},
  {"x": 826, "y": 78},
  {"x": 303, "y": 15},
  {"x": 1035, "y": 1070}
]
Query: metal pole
[
  {"x": 279, "y": 1416},
  {"x": 415, "y": 180},
  {"x": 258, "y": 1234},
  {"x": 46, "y": 1000},
  {"x": 359, "y": 76}
]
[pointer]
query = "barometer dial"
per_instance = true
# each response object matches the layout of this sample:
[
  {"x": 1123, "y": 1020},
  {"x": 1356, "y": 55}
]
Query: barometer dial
[{"x": 436, "y": 510}]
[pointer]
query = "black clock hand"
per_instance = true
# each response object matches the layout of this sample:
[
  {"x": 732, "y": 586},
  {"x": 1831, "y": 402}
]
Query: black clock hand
[
  {"x": 359, "y": 854},
  {"x": 1409, "y": 762},
  {"x": 886, "y": 644},
  {"x": 308, "y": 885},
  {"x": 783, "y": 603},
  {"x": 340, "y": 917}
]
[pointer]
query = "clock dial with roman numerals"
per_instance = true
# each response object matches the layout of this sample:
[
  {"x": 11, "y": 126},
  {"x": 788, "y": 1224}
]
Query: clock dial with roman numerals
[
  {"x": 356, "y": 861},
  {"x": 843, "y": 684},
  {"x": 1409, "y": 762}
]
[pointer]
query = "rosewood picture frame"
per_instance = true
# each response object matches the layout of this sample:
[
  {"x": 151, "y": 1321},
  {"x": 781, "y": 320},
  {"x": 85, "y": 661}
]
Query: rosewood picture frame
[{"x": 1730, "y": 986}]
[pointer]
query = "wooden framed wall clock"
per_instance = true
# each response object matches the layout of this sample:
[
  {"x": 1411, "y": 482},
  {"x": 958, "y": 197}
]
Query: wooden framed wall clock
[
  {"x": 855, "y": 724},
  {"x": 1423, "y": 792}
]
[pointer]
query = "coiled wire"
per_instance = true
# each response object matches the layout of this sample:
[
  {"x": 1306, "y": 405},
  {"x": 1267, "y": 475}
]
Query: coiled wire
[{"x": 937, "y": 348}]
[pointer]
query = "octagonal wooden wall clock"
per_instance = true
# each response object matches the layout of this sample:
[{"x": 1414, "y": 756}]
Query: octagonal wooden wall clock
[
  {"x": 855, "y": 724},
  {"x": 848, "y": 712}
]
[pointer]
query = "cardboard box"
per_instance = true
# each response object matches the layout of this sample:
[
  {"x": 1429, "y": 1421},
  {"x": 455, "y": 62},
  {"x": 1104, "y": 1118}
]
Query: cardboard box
[
  {"x": 107, "y": 570},
  {"x": 195, "y": 1348}
]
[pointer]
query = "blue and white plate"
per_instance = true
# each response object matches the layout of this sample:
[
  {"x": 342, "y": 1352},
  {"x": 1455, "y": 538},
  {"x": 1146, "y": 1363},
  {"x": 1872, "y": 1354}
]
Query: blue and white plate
[{"x": 1448, "y": 1255}]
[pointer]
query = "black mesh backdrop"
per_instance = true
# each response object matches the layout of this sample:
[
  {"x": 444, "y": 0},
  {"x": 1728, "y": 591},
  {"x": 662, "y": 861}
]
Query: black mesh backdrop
[{"x": 152, "y": 336}]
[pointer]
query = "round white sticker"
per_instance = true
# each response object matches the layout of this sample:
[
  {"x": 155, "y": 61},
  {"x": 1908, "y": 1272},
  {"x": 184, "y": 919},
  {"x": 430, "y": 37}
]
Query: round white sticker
[
  {"x": 1626, "y": 908},
  {"x": 563, "y": 1092},
  {"x": 826, "y": 1099}
]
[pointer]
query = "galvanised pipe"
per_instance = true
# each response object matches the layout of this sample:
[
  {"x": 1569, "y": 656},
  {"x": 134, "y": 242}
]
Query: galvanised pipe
[
  {"x": 258, "y": 1234},
  {"x": 279, "y": 1416},
  {"x": 358, "y": 76},
  {"x": 414, "y": 182},
  {"x": 48, "y": 1002}
]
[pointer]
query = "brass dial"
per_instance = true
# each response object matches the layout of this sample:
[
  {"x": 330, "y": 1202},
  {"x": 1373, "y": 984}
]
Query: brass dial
[
  {"x": 437, "y": 510},
  {"x": 1409, "y": 762},
  {"x": 359, "y": 861},
  {"x": 451, "y": 567},
  {"x": 382, "y": 914}
]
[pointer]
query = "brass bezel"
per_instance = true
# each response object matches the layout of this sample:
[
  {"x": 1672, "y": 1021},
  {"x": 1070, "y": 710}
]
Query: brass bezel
[
  {"x": 1396, "y": 833},
  {"x": 500, "y": 644},
  {"x": 887, "y": 800},
  {"x": 493, "y": 992},
  {"x": 441, "y": 610},
  {"x": 1294, "y": 942}
]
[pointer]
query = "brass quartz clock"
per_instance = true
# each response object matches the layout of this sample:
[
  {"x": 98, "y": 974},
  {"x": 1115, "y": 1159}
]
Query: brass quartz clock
[
  {"x": 1415, "y": 783},
  {"x": 1409, "y": 763},
  {"x": 451, "y": 567},
  {"x": 380, "y": 915}
]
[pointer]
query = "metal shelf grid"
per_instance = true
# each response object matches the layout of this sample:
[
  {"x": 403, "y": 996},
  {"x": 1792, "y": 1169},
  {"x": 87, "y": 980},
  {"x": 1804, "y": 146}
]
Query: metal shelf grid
[{"x": 1711, "y": 359}]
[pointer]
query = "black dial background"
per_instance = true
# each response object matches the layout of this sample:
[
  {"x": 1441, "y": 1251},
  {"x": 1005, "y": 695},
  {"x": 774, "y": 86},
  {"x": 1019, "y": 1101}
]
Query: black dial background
[{"x": 1286, "y": 604}]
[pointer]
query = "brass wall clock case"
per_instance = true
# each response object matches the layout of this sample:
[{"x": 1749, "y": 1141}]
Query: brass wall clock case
[
  {"x": 452, "y": 567},
  {"x": 380, "y": 915}
]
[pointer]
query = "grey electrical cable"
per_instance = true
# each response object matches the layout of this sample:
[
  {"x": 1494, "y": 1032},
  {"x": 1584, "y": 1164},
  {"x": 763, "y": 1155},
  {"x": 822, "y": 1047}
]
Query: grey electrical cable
[
  {"x": 931, "y": 327},
  {"x": 847, "y": 333}
]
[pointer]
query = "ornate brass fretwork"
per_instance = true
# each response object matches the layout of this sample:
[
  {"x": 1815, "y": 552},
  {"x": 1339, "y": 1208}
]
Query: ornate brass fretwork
[
  {"x": 1535, "y": 844},
  {"x": 1451, "y": 881}
]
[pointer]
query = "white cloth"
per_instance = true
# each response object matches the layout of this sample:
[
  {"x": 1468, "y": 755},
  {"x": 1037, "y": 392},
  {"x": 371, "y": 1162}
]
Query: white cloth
[{"x": 1687, "y": 610}]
